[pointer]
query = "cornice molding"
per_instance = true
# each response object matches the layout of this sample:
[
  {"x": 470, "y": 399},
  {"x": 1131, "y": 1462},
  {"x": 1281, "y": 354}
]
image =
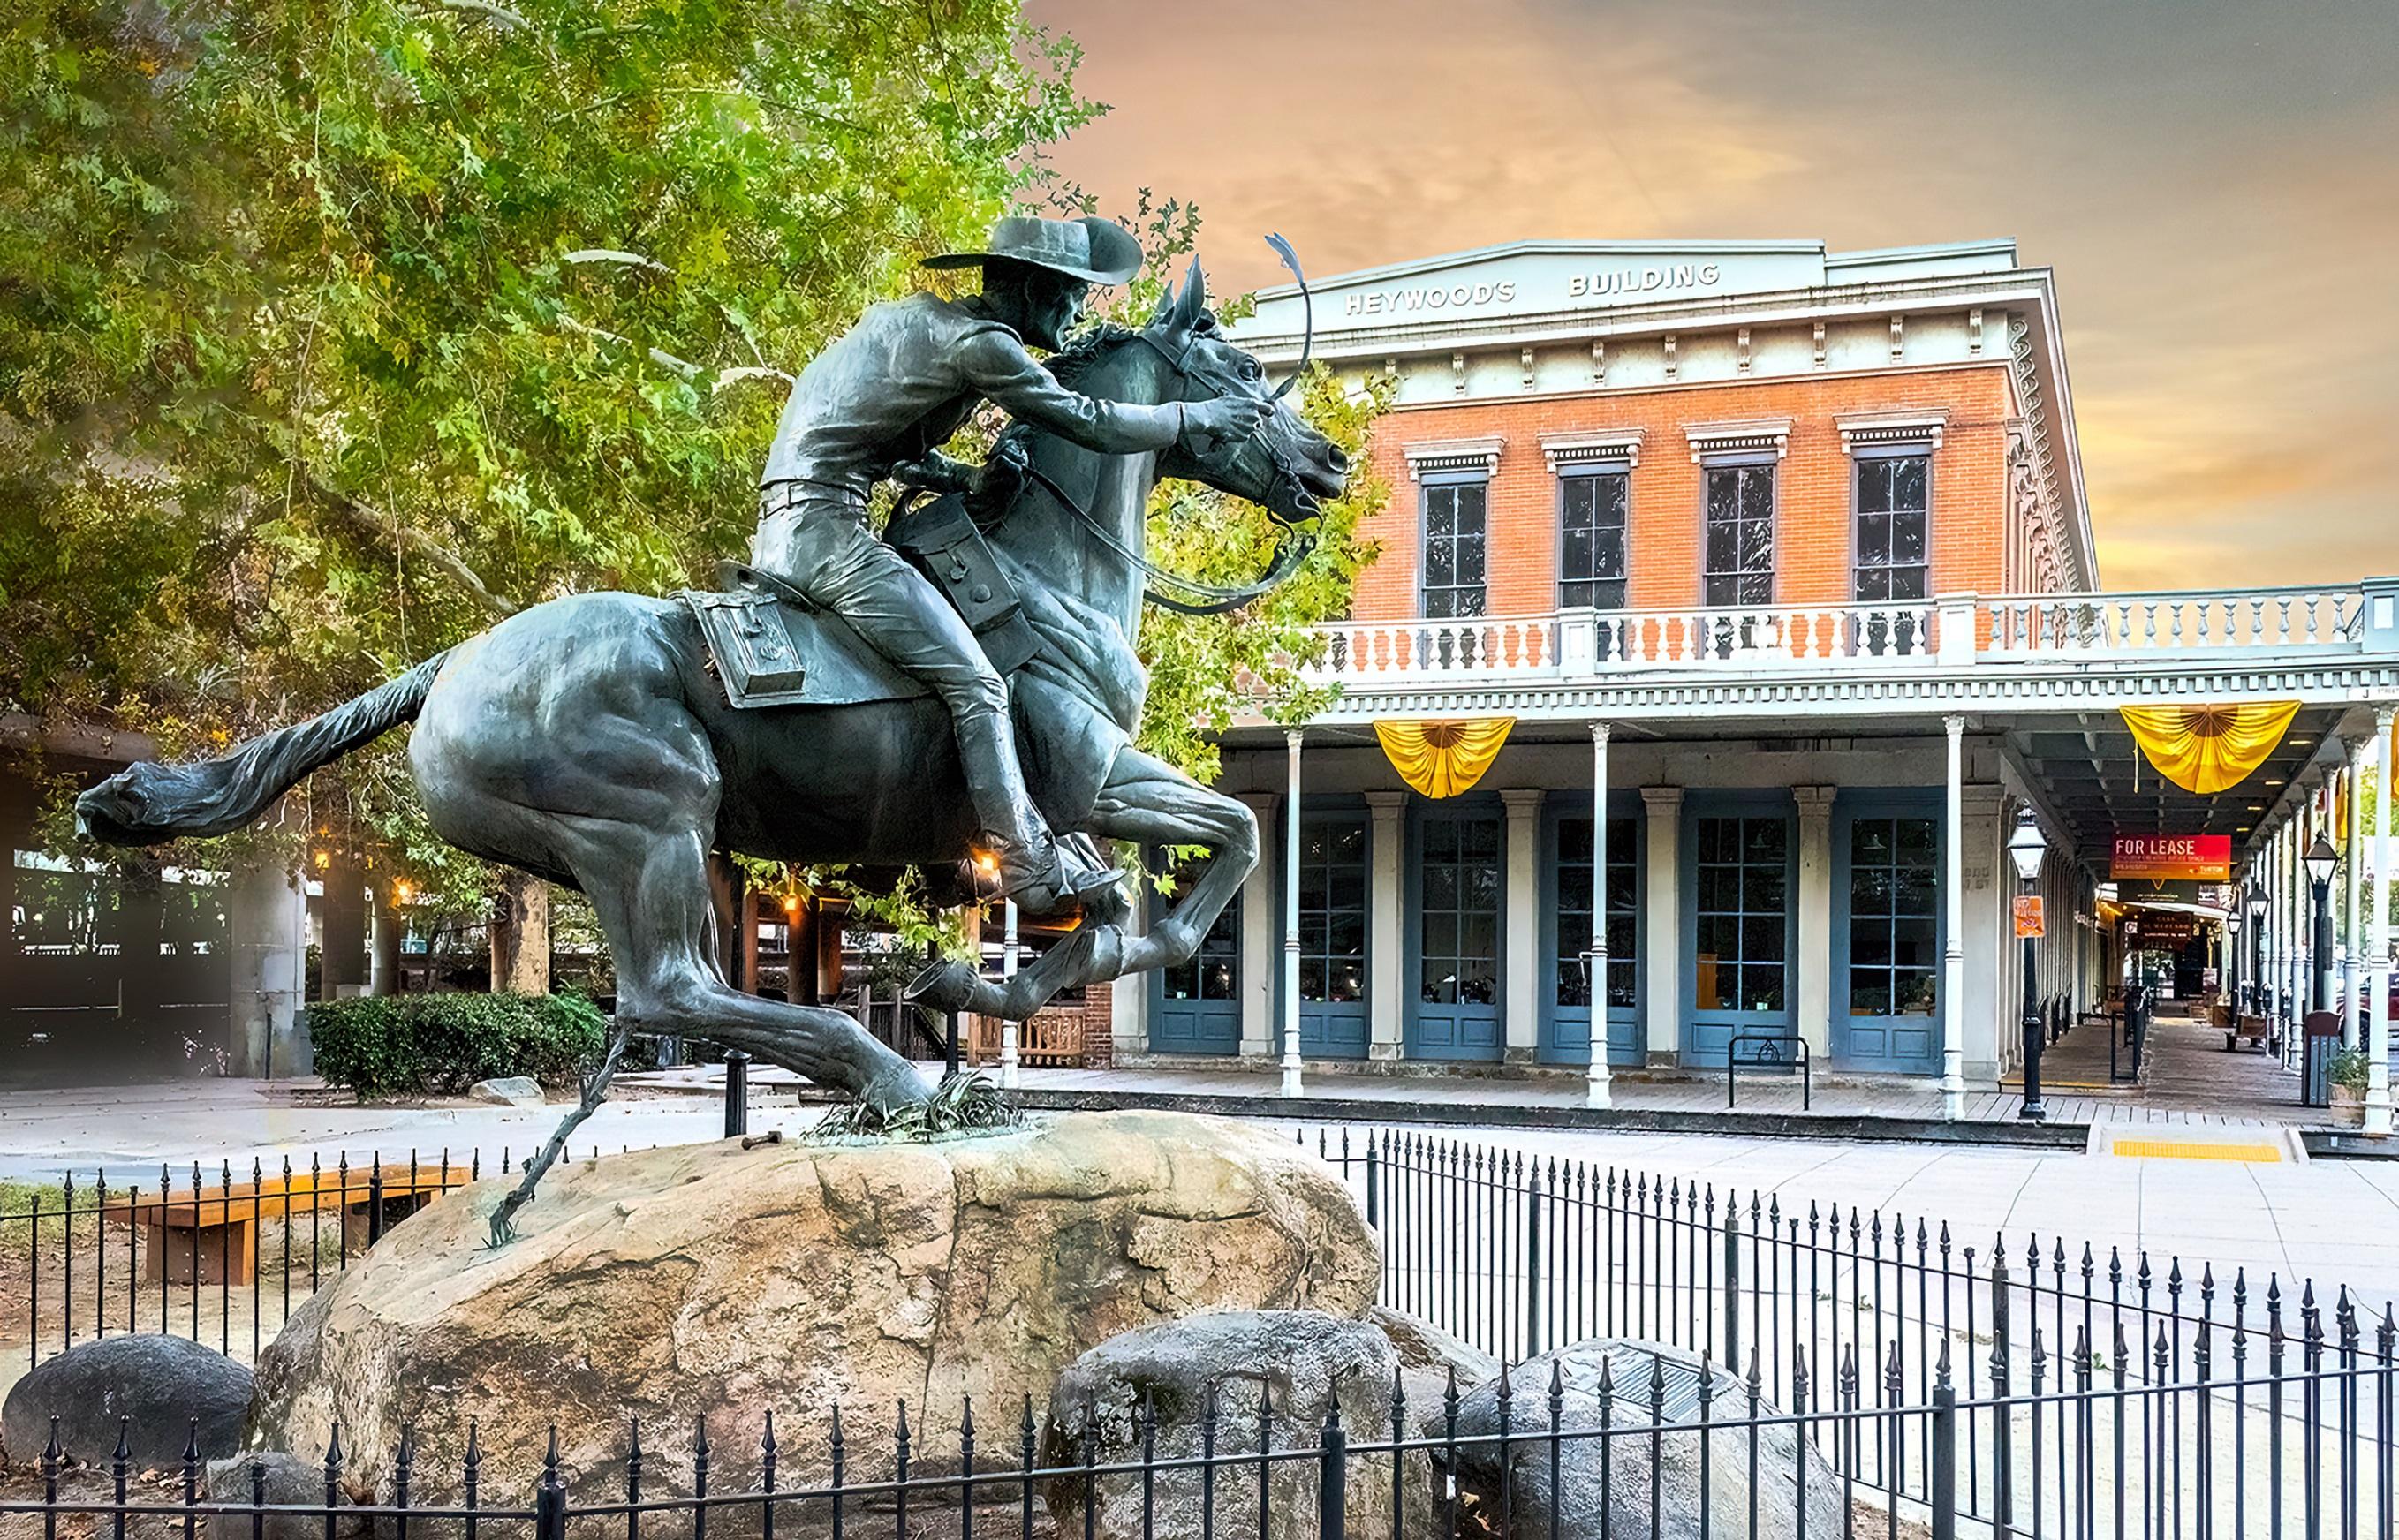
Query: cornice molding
[
  {"x": 1594, "y": 445},
  {"x": 1748, "y": 436},
  {"x": 1862, "y": 428},
  {"x": 1439, "y": 454}
]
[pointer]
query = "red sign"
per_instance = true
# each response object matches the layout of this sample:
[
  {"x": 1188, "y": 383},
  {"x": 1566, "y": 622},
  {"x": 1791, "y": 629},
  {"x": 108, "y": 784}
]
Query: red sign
[
  {"x": 2172, "y": 858},
  {"x": 2029, "y": 915}
]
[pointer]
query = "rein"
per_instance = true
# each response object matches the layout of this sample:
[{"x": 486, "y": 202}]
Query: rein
[{"x": 1290, "y": 549}]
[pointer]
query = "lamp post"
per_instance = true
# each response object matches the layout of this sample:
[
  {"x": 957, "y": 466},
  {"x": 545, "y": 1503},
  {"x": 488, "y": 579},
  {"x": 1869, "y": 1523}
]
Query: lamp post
[
  {"x": 2026, "y": 847},
  {"x": 2258, "y": 902},
  {"x": 2319, "y": 861},
  {"x": 2235, "y": 965}
]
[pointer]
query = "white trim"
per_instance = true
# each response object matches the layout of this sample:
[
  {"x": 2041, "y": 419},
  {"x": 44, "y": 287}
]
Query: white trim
[
  {"x": 1439, "y": 454},
  {"x": 1582, "y": 448},
  {"x": 1753, "y": 436},
  {"x": 1890, "y": 428}
]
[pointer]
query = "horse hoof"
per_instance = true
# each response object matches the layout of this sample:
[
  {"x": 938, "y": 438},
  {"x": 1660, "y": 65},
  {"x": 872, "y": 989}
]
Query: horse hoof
[
  {"x": 944, "y": 986},
  {"x": 889, "y": 1093}
]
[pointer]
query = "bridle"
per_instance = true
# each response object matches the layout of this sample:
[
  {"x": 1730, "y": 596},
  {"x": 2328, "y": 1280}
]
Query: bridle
[{"x": 1292, "y": 545}]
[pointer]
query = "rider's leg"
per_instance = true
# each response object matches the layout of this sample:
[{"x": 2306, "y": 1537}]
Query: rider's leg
[{"x": 837, "y": 560}]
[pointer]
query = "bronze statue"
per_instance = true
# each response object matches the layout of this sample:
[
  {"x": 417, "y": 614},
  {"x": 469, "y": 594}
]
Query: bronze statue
[
  {"x": 882, "y": 399},
  {"x": 609, "y": 741}
]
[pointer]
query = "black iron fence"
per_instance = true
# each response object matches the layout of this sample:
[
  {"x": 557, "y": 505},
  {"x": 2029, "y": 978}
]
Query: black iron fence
[{"x": 2307, "y": 1451}]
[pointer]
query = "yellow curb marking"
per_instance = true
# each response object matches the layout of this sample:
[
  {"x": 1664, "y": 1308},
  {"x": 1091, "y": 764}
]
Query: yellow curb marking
[{"x": 2175, "y": 1149}]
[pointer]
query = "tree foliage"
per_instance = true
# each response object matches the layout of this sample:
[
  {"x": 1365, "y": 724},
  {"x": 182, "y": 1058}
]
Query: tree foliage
[{"x": 332, "y": 330}]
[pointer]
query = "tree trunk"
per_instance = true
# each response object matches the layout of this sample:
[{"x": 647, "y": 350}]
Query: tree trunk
[{"x": 520, "y": 940}]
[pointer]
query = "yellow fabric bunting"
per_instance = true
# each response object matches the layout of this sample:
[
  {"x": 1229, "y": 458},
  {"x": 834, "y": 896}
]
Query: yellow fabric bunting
[
  {"x": 2209, "y": 748},
  {"x": 1441, "y": 759}
]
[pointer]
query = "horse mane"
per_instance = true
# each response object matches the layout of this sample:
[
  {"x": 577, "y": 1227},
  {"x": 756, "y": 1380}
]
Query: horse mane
[{"x": 1086, "y": 349}]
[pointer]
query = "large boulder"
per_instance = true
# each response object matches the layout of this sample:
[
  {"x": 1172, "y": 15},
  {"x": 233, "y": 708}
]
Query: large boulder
[
  {"x": 1790, "y": 1470},
  {"x": 713, "y": 1280},
  {"x": 1155, "y": 1385},
  {"x": 161, "y": 1383},
  {"x": 1432, "y": 1361}
]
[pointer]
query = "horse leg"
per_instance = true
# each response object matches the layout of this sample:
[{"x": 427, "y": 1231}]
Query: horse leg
[
  {"x": 1147, "y": 800},
  {"x": 649, "y": 885}
]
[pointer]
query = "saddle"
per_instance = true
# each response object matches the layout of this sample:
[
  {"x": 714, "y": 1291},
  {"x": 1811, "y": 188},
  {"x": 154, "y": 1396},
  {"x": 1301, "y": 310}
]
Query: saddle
[{"x": 769, "y": 646}]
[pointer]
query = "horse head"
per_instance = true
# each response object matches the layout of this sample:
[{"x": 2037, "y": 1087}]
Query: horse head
[{"x": 1286, "y": 468}]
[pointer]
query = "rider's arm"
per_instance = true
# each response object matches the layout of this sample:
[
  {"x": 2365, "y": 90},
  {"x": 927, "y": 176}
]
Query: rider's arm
[{"x": 1000, "y": 371}]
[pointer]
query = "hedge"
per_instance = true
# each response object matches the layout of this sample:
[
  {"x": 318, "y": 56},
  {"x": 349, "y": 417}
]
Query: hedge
[{"x": 439, "y": 1045}]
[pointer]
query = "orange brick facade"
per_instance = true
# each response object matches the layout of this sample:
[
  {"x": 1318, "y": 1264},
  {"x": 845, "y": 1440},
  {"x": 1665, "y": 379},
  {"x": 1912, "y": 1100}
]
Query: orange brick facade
[{"x": 1970, "y": 524}]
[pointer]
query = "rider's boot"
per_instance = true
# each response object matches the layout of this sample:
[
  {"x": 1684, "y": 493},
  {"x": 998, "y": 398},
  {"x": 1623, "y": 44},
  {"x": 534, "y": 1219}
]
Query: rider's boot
[{"x": 1025, "y": 861}]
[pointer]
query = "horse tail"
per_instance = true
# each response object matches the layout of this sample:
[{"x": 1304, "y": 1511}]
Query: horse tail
[{"x": 145, "y": 803}]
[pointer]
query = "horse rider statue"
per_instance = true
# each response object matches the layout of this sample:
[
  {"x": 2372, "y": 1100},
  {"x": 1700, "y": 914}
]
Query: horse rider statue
[{"x": 877, "y": 405}]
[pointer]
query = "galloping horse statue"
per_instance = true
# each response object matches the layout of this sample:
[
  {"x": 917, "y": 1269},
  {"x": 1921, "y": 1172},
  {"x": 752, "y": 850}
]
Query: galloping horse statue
[{"x": 587, "y": 740}]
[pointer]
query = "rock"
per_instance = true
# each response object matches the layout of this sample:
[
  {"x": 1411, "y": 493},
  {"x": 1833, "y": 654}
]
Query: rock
[
  {"x": 1629, "y": 1486},
  {"x": 1429, "y": 1359},
  {"x": 159, "y": 1382},
  {"x": 710, "y": 1279},
  {"x": 509, "y": 1090},
  {"x": 1304, "y": 1360},
  {"x": 291, "y": 1482}
]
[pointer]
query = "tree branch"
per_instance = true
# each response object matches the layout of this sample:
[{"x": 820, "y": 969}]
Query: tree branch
[{"x": 371, "y": 525}]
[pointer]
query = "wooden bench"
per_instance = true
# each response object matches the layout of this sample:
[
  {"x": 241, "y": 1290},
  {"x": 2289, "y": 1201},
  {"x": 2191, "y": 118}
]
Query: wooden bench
[
  {"x": 2247, "y": 1029},
  {"x": 209, "y": 1235}
]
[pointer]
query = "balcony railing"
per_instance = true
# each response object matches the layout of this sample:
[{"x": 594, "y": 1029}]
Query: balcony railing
[{"x": 1952, "y": 631}]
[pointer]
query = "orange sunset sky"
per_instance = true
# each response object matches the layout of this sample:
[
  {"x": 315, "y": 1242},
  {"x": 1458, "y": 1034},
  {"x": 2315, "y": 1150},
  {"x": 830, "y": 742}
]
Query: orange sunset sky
[{"x": 2215, "y": 184}]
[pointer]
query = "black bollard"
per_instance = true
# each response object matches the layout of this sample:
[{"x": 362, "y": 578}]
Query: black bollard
[{"x": 737, "y": 1093}]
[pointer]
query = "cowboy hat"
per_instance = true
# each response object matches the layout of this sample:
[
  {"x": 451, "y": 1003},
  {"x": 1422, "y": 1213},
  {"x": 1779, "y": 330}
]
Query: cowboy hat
[{"x": 1095, "y": 250}]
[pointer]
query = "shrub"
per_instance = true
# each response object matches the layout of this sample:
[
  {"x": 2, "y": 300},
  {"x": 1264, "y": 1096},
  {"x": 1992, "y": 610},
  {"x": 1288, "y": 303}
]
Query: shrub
[
  {"x": 439, "y": 1045},
  {"x": 2349, "y": 1068}
]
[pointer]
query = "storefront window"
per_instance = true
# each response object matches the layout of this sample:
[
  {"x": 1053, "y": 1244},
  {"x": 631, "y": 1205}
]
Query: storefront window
[
  {"x": 1894, "y": 916},
  {"x": 1332, "y": 909},
  {"x": 1460, "y": 950},
  {"x": 1574, "y": 911},
  {"x": 1743, "y": 883},
  {"x": 1453, "y": 550},
  {"x": 1215, "y": 971}
]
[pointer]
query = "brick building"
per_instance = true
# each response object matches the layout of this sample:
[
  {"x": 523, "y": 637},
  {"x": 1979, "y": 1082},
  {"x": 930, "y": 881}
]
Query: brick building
[{"x": 1781, "y": 557}]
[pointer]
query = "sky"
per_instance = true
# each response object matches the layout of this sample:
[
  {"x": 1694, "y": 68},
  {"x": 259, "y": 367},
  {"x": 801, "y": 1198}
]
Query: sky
[{"x": 2215, "y": 184}]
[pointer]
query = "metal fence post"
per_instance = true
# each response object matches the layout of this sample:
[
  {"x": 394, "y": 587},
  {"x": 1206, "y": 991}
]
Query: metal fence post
[
  {"x": 1941, "y": 1476},
  {"x": 550, "y": 1497},
  {"x": 1731, "y": 1283},
  {"x": 1332, "y": 1480},
  {"x": 1533, "y": 1333},
  {"x": 737, "y": 1093},
  {"x": 1374, "y": 1190},
  {"x": 2003, "y": 1442}
]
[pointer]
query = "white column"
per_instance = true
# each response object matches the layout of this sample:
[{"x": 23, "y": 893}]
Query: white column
[
  {"x": 2353, "y": 946},
  {"x": 267, "y": 949},
  {"x": 1661, "y": 908},
  {"x": 1387, "y": 949},
  {"x": 2378, "y": 940},
  {"x": 1291, "y": 1081},
  {"x": 1815, "y": 960},
  {"x": 1599, "y": 1090},
  {"x": 1261, "y": 943},
  {"x": 1010, "y": 1048},
  {"x": 1519, "y": 1005},
  {"x": 1953, "y": 951},
  {"x": 2327, "y": 977}
]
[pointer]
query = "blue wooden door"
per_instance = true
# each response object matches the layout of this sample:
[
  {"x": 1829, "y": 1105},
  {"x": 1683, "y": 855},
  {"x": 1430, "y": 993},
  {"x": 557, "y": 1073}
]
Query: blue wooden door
[
  {"x": 1196, "y": 1007},
  {"x": 1333, "y": 862},
  {"x": 1741, "y": 861},
  {"x": 1565, "y": 899},
  {"x": 1456, "y": 889},
  {"x": 1887, "y": 939}
]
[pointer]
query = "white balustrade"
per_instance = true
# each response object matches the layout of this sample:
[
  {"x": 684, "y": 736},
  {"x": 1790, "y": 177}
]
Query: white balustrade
[{"x": 1595, "y": 643}]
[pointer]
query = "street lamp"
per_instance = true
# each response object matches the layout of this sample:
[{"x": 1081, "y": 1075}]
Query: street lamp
[
  {"x": 2026, "y": 847},
  {"x": 2319, "y": 861},
  {"x": 2258, "y": 903},
  {"x": 2236, "y": 967}
]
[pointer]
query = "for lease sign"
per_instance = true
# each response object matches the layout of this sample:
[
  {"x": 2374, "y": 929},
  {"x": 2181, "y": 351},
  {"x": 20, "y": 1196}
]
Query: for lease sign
[{"x": 2172, "y": 858}]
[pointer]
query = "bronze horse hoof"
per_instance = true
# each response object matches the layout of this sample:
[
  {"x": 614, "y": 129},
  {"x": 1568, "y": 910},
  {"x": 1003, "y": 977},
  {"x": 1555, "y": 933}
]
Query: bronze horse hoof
[{"x": 947, "y": 985}]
